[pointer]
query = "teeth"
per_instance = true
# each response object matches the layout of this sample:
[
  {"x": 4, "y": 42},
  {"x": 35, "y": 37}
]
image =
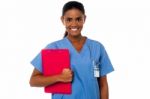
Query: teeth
[{"x": 74, "y": 29}]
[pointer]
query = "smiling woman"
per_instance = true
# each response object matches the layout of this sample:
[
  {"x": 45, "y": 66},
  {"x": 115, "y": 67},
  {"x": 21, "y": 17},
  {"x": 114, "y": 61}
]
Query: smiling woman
[
  {"x": 73, "y": 20},
  {"x": 73, "y": 17},
  {"x": 90, "y": 63}
]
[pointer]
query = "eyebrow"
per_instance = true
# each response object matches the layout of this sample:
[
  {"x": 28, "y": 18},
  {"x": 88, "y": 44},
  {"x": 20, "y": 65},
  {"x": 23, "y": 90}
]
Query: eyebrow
[{"x": 75, "y": 18}]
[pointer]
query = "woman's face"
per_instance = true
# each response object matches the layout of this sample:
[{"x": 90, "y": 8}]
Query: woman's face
[{"x": 73, "y": 20}]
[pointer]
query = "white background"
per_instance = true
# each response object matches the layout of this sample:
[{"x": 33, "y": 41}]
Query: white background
[{"x": 122, "y": 26}]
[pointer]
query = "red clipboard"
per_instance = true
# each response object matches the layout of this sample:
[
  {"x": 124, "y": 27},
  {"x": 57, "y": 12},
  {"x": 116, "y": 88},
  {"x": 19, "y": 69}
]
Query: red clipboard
[{"x": 53, "y": 62}]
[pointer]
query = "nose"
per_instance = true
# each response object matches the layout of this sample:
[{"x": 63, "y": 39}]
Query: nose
[{"x": 74, "y": 23}]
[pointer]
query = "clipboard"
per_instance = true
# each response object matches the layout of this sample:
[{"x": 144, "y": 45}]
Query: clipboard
[{"x": 53, "y": 62}]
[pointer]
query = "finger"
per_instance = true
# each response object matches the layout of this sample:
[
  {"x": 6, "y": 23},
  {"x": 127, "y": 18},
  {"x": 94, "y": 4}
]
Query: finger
[{"x": 66, "y": 69}]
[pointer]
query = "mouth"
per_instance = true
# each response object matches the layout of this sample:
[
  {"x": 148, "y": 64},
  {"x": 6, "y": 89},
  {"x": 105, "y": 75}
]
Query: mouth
[{"x": 74, "y": 29}]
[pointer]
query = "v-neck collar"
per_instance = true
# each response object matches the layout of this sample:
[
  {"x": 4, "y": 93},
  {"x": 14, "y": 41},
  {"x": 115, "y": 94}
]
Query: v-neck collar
[{"x": 74, "y": 49}]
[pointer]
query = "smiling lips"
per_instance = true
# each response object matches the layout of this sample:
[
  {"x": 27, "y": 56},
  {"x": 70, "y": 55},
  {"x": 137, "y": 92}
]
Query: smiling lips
[{"x": 74, "y": 29}]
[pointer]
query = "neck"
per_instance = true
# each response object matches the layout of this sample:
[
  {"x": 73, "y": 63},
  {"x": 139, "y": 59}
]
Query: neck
[{"x": 75, "y": 38}]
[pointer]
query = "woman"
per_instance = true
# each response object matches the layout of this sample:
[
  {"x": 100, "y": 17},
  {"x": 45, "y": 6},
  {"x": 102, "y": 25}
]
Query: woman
[{"x": 84, "y": 54}]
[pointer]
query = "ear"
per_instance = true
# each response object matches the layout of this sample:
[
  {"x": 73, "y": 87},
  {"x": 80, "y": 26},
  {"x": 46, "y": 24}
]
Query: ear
[
  {"x": 84, "y": 18},
  {"x": 62, "y": 19}
]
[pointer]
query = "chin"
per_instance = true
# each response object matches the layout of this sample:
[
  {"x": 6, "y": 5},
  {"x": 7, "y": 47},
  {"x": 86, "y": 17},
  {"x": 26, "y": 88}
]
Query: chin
[{"x": 75, "y": 34}]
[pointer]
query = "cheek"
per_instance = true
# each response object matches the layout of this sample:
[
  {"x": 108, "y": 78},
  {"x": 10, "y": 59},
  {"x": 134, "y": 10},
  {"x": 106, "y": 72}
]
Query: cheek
[
  {"x": 81, "y": 24},
  {"x": 66, "y": 25}
]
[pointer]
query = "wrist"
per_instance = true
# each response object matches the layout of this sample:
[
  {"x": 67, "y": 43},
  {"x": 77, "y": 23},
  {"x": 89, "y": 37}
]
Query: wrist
[{"x": 59, "y": 78}]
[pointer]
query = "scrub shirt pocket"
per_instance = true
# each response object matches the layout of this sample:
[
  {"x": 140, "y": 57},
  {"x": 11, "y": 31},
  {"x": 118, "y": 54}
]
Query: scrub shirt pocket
[
  {"x": 91, "y": 69},
  {"x": 92, "y": 75}
]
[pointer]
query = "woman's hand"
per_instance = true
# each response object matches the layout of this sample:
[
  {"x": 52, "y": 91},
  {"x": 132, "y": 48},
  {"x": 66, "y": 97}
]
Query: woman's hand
[
  {"x": 66, "y": 75},
  {"x": 39, "y": 80}
]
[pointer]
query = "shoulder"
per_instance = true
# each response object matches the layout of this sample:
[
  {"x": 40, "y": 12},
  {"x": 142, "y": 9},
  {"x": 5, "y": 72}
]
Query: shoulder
[
  {"x": 95, "y": 43},
  {"x": 54, "y": 43}
]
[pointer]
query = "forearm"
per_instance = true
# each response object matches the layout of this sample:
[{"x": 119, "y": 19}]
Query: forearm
[
  {"x": 41, "y": 81},
  {"x": 103, "y": 86},
  {"x": 104, "y": 93}
]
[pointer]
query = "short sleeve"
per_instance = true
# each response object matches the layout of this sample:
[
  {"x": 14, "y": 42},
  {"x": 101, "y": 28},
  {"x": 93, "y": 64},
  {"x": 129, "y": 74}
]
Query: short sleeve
[
  {"x": 105, "y": 63},
  {"x": 37, "y": 61}
]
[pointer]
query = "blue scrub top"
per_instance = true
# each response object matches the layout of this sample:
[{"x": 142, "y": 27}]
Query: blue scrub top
[{"x": 84, "y": 84}]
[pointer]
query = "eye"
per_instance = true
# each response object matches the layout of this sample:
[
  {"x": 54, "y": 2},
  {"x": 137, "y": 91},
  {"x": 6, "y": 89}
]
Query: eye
[
  {"x": 79, "y": 19},
  {"x": 68, "y": 19}
]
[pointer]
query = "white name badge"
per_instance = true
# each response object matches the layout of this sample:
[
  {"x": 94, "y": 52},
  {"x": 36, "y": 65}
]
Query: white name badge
[
  {"x": 96, "y": 69},
  {"x": 96, "y": 72}
]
